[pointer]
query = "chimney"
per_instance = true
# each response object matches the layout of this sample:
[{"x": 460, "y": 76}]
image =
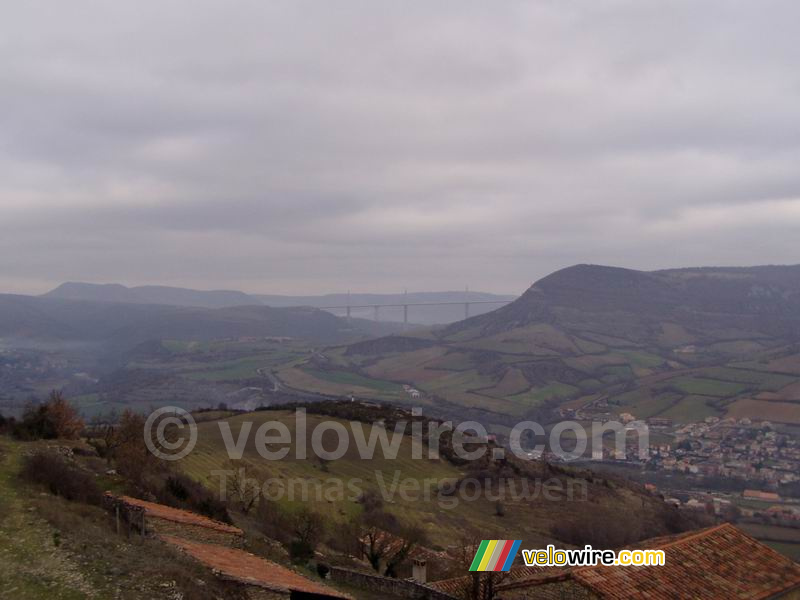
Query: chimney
[{"x": 419, "y": 570}]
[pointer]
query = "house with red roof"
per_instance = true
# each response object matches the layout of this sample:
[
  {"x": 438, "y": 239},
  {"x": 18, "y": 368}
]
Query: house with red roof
[
  {"x": 257, "y": 578},
  {"x": 710, "y": 564}
]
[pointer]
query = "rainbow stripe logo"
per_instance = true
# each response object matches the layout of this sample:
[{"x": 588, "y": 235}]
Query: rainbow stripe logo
[{"x": 495, "y": 555}]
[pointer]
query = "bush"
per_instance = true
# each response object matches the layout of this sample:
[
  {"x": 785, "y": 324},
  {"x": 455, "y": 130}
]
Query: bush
[
  {"x": 300, "y": 552},
  {"x": 181, "y": 491},
  {"x": 35, "y": 425},
  {"x": 56, "y": 418},
  {"x": 61, "y": 478},
  {"x": 6, "y": 424}
]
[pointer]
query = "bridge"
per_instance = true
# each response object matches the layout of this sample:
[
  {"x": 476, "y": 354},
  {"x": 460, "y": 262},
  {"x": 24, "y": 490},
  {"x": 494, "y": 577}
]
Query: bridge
[{"x": 376, "y": 307}]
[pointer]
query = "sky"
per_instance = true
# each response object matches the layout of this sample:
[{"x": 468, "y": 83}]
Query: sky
[{"x": 311, "y": 147}]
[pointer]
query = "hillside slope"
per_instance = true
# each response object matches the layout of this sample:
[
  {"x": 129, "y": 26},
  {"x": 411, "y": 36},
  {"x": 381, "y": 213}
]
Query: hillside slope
[{"x": 410, "y": 487}]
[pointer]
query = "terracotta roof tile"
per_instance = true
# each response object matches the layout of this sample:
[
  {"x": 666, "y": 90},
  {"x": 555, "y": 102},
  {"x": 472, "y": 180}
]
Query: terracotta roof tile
[
  {"x": 718, "y": 562},
  {"x": 250, "y": 569},
  {"x": 177, "y": 515}
]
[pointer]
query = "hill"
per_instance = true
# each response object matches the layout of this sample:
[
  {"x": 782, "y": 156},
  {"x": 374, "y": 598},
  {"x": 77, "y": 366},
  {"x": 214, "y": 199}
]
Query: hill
[
  {"x": 118, "y": 350},
  {"x": 124, "y": 324},
  {"x": 150, "y": 294},
  {"x": 681, "y": 343},
  {"x": 410, "y": 487}
]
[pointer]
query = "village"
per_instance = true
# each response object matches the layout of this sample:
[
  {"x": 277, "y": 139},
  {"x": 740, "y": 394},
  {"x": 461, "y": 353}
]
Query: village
[{"x": 738, "y": 470}]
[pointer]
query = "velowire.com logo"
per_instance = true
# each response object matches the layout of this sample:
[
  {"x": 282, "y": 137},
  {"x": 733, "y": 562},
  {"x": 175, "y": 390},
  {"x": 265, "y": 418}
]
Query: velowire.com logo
[{"x": 495, "y": 555}]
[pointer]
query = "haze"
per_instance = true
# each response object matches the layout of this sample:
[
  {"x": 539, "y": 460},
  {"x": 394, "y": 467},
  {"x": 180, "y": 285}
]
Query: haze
[{"x": 311, "y": 147}]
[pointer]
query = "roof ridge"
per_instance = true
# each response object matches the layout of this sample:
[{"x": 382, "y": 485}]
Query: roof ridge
[
  {"x": 172, "y": 513},
  {"x": 692, "y": 535}
]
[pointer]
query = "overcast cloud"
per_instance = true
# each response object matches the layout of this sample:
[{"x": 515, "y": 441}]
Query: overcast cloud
[{"x": 310, "y": 147}]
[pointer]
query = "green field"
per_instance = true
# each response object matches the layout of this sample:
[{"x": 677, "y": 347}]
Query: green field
[
  {"x": 691, "y": 409},
  {"x": 354, "y": 379},
  {"x": 762, "y": 380},
  {"x": 536, "y": 397},
  {"x": 642, "y": 359},
  {"x": 656, "y": 405},
  {"x": 243, "y": 368},
  {"x": 706, "y": 387}
]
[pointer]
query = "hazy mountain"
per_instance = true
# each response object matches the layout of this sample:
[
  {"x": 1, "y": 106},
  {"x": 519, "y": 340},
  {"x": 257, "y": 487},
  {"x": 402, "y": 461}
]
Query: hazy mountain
[
  {"x": 174, "y": 296},
  {"x": 150, "y": 294},
  {"x": 124, "y": 324}
]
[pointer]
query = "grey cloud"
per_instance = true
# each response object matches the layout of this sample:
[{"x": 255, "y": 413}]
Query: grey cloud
[{"x": 311, "y": 146}]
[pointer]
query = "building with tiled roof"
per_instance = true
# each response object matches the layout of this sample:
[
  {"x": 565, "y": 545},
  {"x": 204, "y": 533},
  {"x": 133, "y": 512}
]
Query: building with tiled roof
[
  {"x": 160, "y": 519},
  {"x": 710, "y": 564},
  {"x": 258, "y": 578}
]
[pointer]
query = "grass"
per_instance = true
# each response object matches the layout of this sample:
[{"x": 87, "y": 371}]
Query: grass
[
  {"x": 235, "y": 370},
  {"x": 529, "y": 519},
  {"x": 652, "y": 405},
  {"x": 613, "y": 373},
  {"x": 374, "y": 473},
  {"x": 30, "y": 566},
  {"x": 763, "y": 410},
  {"x": 354, "y": 379},
  {"x": 543, "y": 394},
  {"x": 641, "y": 359},
  {"x": 707, "y": 387},
  {"x": 691, "y": 409},
  {"x": 763, "y": 380},
  {"x": 52, "y": 549}
]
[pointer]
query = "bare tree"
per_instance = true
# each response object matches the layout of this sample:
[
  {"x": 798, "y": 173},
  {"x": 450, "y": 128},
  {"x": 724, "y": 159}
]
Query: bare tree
[
  {"x": 66, "y": 422},
  {"x": 244, "y": 485},
  {"x": 385, "y": 550}
]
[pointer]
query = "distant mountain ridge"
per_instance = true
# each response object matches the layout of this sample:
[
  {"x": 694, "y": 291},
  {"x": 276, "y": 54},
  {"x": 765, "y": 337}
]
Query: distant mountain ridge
[
  {"x": 126, "y": 324},
  {"x": 151, "y": 294}
]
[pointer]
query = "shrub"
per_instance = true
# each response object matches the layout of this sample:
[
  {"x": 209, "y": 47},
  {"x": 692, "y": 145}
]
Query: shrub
[
  {"x": 182, "y": 491},
  {"x": 300, "y": 552},
  {"x": 61, "y": 478},
  {"x": 274, "y": 521},
  {"x": 56, "y": 418},
  {"x": 35, "y": 425},
  {"x": 6, "y": 424}
]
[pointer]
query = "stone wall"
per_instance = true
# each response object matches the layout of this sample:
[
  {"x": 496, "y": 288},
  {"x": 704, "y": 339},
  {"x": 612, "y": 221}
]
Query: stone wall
[{"x": 387, "y": 585}]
